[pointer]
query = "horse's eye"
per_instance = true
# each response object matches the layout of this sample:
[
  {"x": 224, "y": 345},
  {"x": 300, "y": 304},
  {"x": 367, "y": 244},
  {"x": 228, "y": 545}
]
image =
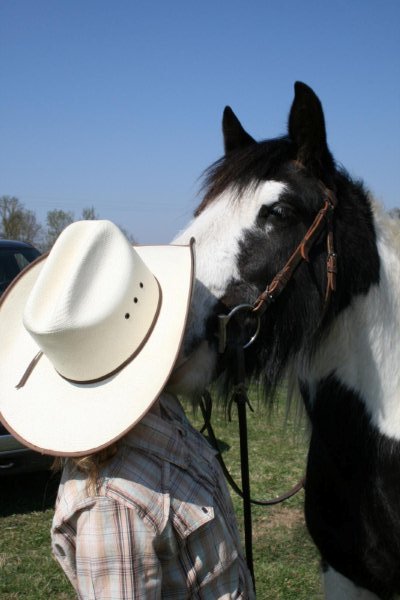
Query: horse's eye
[
  {"x": 264, "y": 212},
  {"x": 280, "y": 211},
  {"x": 275, "y": 213}
]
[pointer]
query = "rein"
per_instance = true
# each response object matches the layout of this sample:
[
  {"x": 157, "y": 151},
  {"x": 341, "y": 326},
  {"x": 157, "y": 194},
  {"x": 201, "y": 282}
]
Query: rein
[{"x": 324, "y": 218}]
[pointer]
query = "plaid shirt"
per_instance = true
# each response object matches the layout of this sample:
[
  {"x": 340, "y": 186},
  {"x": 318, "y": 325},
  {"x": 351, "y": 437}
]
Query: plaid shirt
[{"x": 161, "y": 524}]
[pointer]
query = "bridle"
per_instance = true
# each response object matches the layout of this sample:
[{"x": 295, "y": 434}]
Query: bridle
[
  {"x": 282, "y": 278},
  {"x": 323, "y": 219},
  {"x": 276, "y": 286}
]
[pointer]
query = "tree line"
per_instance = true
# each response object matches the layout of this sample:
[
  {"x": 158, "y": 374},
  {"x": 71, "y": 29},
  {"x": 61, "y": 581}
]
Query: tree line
[{"x": 20, "y": 223}]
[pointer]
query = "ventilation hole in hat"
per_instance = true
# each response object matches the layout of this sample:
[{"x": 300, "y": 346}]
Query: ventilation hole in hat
[
  {"x": 135, "y": 300},
  {"x": 127, "y": 315},
  {"x": 141, "y": 284}
]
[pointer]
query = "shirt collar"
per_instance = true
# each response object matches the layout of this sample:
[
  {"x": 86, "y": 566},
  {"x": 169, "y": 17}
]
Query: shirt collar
[{"x": 161, "y": 432}]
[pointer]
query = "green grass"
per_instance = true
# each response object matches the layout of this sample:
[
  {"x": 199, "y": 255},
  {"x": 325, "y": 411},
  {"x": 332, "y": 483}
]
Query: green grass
[{"x": 286, "y": 563}]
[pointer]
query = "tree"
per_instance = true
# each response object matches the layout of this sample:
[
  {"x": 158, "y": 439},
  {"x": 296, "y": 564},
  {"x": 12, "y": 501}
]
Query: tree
[
  {"x": 57, "y": 220},
  {"x": 89, "y": 214},
  {"x": 18, "y": 223},
  {"x": 31, "y": 229}
]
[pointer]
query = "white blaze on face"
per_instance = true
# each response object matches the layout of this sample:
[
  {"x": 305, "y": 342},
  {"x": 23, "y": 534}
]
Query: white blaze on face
[{"x": 218, "y": 231}]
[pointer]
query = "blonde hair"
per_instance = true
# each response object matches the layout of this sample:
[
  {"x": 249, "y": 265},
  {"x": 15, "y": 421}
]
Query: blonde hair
[{"x": 89, "y": 465}]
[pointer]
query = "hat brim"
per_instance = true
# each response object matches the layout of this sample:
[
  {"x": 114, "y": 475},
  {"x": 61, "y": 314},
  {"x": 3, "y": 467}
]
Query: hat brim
[{"x": 54, "y": 416}]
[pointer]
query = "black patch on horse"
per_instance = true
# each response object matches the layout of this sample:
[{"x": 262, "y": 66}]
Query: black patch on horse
[{"x": 353, "y": 490}]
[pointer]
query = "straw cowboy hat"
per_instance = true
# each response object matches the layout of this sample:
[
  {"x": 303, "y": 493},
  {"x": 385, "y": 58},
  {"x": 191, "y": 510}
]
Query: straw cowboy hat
[{"x": 89, "y": 337}]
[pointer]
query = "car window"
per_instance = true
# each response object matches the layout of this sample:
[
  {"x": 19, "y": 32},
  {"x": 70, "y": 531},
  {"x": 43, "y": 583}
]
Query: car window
[
  {"x": 22, "y": 260},
  {"x": 12, "y": 261}
]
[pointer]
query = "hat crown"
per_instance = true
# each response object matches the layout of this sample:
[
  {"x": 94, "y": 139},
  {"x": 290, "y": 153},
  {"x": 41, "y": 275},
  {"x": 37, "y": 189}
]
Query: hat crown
[{"x": 94, "y": 302}]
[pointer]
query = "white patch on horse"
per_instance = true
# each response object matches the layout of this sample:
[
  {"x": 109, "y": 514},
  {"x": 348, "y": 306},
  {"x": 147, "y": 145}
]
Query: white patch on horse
[
  {"x": 218, "y": 231},
  {"x": 362, "y": 347},
  {"x": 338, "y": 587}
]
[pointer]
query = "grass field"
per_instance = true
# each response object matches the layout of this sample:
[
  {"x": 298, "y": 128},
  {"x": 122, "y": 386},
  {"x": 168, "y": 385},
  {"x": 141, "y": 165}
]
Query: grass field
[{"x": 286, "y": 563}]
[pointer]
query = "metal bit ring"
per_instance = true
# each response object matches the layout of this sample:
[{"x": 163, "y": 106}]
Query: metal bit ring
[{"x": 224, "y": 320}]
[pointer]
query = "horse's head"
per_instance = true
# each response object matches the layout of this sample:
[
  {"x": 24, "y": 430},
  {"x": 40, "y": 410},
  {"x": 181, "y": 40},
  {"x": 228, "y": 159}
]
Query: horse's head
[{"x": 260, "y": 200}]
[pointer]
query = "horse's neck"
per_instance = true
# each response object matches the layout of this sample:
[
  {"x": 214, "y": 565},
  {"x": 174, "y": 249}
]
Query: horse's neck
[{"x": 362, "y": 350}]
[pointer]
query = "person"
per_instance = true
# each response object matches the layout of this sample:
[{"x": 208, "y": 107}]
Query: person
[{"x": 90, "y": 335}]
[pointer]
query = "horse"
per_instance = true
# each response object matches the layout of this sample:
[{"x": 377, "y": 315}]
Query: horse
[{"x": 331, "y": 320}]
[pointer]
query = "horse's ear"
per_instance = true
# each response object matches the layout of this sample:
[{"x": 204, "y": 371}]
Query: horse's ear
[
  {"x": 235, "y": 136},
  {"x": 307, "y": 129}
]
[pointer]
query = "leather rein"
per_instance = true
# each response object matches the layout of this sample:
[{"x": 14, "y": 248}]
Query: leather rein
[{"x": 323, "y": 219}]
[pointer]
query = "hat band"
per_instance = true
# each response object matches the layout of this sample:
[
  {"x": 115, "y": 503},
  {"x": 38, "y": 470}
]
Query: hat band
[
  {"x": 37, "y": 357},
  {"x": 29, "y": 370}
]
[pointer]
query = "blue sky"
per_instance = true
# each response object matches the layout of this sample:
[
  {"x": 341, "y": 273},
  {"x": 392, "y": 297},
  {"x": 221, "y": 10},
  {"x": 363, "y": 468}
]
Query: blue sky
[{"x": 118, "y": 104}]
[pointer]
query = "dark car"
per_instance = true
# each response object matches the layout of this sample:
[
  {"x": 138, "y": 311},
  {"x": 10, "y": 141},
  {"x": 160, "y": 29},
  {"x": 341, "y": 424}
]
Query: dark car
[
  {"x": 14, "y": 256},
  {"x": 14, "y": 457}
]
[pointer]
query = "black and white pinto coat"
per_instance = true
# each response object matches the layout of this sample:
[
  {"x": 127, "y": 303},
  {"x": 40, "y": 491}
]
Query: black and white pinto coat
[{"x": 258, "y": 205}]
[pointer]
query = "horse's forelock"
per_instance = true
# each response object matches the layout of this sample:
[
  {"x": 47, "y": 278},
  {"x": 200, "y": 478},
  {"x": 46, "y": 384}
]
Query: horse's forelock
[{"x": 246, "y": 168}]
